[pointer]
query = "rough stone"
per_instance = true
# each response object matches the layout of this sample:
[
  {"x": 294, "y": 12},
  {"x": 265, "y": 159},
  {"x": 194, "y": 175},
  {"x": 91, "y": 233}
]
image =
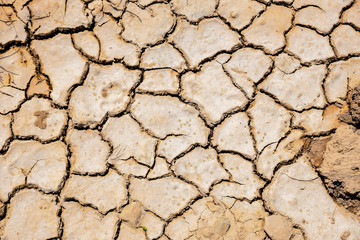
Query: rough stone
[
  {"x": 10, "y": 99},
  {"x": 201, "y": 167},
  {"x": 201, "y": 88},
  {"x": 268, "y": 30},
  {"x": 129, "y": 141},
  {"x": 86, "y": 223},
  {"x": 160, "y": 169},
  {"x": 31, "y": 215},
  {"x": 175, "y": 195},
  {"x": 340, "y": 160},
  {"x": 38, "y": 118},
  {"x": 286, "y": 63},
  {"x": 104, "y": 192},
  {"x": 300, "y": 90},
  {"x": 12, "y": 27},
  {"x": 308, "y": 45},
  {"x": 162, "y": 56},
  {"x": 247, "y": 67},
  {"x": 17, "y": 67},
  {"x": 242, "y": 172},
  {"x": 105, "y": 91},
  {"x": 5, "y": 131},
  {"x": 43, "y": 165},
  {"x": 279, "y": 152},
  {"x": 49, "y": 16},
  {"x": 316, "y": 121},
  {"x": 297, "y": 192},
  {"x": 160, "y": 81},
  {"x": 176, "y": 123},
  {"x": 278, "y": 227},
  {"x": 62, "y": 63},
  {"x": 148, "y": 26},
  {"x": 194, "y": 10},
  {"x": 112, "y": 45},
  {"x": 346, "y": 40},
  {"x": 204, "y": 40},
  {"x": 233, "y": 134},
  {"x": 352, "y": 15},
  {"x": 88, "y": 151},
  {"x": 239, "y": 13},
  {"x": 269, "y": 121},
  {"x": 327, "y": 13}
]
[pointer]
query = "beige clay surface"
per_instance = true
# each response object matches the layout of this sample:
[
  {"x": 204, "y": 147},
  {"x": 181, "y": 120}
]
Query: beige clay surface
[{"x": 180, "y": 119}]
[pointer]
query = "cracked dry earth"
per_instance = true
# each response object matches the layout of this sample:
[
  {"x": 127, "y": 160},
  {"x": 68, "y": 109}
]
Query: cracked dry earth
[{"x": 159, "y": 119}]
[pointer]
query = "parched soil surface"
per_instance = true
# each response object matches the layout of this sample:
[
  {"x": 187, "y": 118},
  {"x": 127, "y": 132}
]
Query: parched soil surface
[{"x": 180, "y": 119}]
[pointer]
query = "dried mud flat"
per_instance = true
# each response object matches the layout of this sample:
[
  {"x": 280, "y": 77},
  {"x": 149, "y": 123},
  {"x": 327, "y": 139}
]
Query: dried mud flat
[{"x": 177, "y": 119}]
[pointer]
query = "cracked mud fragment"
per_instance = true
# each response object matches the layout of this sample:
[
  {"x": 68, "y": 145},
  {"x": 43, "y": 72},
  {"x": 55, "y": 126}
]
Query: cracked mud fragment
[
  {"x": 148, "y": 26},
  {"x": 62, "y": 63},
  {"x": 88, "y": 151},
  {"x": 5, "y": 131},
  {"x": 112, "y": 45},
  {"x": 233, "y": 134},
  {"x": 87, "y": 43},
  {"x": 17, "y": 67},
  {"x": 51, "y": 15},
  {"x": 160, "y": 169},
  {"x": 201, "y": 167},
  {"x": 30, "y": 162},
  {"x": 239, "y": 13},
  {"x": 346, "y": 40},
  {"x": 316, "y": 121},
  {"x": 308, "y": 45},
  {"x": 279, "y": 152},
  {"x": 162, "y": 56},
  {"x": 270, "y": 121},
  {"x": 39, "y": 85},
  {"x": 87, "y": 223},
  {"x": 300, "y": 90},
  {"x": 31, "y": 215},
  {"x": 204, "y": 40},
  {"x": 200, "y": 89},
  {"x": 103, "y": 192},
  {"x": 160, "y": 81},
  {"x": 287, "y": 63},
  {"x": 194, "y": 10},
  {"x": 352, "y": 15},
  {"x": 129, "y": 141},
  {"x": 247, "y": 67},
  {"x": 176, "y": 123},
  {"x": 297, "y": 192},
  {"x": 245, "y": 182},
  {"x": 327, "y": 13},
  {"x": 268, "y": 30},
  {"x": 10, "y": 99},
  {"x": 105, "y": 91},
  {"x": 12, "y": 26},
  {"x": 136, "y": 217},
  {"x": 175, "y": 195},
  {"x": 37, "y": 118}
]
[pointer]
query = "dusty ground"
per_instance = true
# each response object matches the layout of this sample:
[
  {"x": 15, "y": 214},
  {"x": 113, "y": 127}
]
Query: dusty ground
[{"x": 159, "y": 119}]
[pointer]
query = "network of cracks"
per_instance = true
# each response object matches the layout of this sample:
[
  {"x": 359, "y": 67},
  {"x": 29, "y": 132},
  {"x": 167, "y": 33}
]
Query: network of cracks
[{"x": 159, "y": 119}]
